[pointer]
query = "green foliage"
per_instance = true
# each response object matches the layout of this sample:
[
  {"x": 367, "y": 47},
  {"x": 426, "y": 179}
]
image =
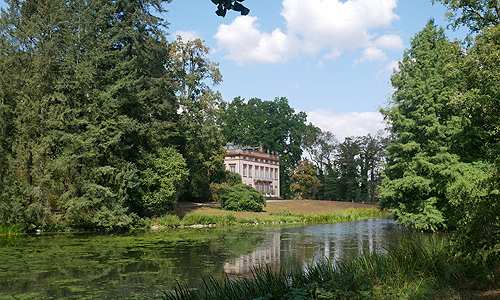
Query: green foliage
[
  {"x": 199, "y": 138},
  {"x": 203, "y": 219},
  {"x": 167, "y": 220},
  {"x": 423, "y": 127},
  {"x": 163, "y": 180},
  {"x": 305, "y": 183},
  {"x": 475, "y": 14},
  {"x": 242, "y": 198},
  {"x": 87, "y": 98},
  {"x": 274, "y": 124},
  {"x": 218, "y": 189},
  {"x": 415, "y": 267},
  {"x": 232, "y": 178},
  {"x": 11, "y": 229},
  {"x": 474, "y": 193}
]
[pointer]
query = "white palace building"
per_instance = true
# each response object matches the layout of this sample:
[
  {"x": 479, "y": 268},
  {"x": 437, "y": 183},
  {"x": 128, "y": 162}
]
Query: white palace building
[{"x": 257, "y": 168}]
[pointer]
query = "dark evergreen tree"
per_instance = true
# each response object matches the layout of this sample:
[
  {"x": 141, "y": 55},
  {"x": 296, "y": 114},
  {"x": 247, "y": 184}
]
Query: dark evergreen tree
[
  {"x": 95, "y": 98},
  {"x": 423, "y": 125}
]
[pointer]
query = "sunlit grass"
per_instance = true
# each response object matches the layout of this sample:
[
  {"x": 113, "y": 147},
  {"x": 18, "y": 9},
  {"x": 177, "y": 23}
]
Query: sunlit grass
[{"x": 224, "y": 218}]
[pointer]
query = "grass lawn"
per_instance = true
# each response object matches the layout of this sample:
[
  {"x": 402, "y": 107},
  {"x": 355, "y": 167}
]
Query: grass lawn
[{"x": 292, "y": 206}]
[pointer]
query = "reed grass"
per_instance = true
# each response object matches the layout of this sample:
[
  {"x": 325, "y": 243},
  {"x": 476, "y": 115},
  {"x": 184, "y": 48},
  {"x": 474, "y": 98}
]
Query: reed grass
[
  {"x": 11, "y": 229},
  {"x": 191, "y": 219},
  {"x": 415, "y": 267}
]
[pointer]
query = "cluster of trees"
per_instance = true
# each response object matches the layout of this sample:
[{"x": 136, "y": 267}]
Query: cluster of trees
[
  {"x": 443, "y": 158},
  {"x": 347, "y": 171},
  {"x": 101, "y": 118},
  {"x": 274, "y": 124}
]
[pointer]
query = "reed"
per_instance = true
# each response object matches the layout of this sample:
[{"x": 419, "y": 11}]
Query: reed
[
  {"x": 11, "y": 229},
  {"x": 415, "y": 267},
  {"x": 191, "y": 219}
]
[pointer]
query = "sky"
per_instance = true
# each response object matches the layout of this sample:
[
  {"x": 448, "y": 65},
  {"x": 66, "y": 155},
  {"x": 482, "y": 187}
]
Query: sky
[{"x": 330, "y": 58}]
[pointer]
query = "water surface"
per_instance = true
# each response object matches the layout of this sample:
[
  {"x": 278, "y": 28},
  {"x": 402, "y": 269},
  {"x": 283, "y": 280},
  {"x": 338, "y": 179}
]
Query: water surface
[{"x": 140, "y": 264}]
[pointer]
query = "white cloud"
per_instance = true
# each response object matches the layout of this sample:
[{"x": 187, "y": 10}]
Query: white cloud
[
  {"x": 372, "y": 54},
  {"x": 341, "y": 24},
  {"x": 389, "y": 67},
  {"x": 311, "y": 26},
  {"x": 333, "y": 54},
  {"x": 389, "y": 41},
  {"x": 247, "y": 44},
  {"x": 187, "y": 35},
  {"x": 348, "y": 123}
]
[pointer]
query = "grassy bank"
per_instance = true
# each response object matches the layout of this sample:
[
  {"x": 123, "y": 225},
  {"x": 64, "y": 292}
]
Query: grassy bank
[
  {"x": 415, "y": 267},
  {"x": 11, "y": 229},
  {"x": 192, "y": 214},
  {"x": 276, "y": 212}
]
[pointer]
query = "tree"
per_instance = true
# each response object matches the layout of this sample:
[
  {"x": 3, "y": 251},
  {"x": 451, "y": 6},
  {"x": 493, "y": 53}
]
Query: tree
[
  {"x": 274, "y": 124},
  {"x": 305, "y": 182},
  {"x": 474, "y": 189},
  {"x": 94, "y": 100},
  {"x": 372, "y": 157},
  {"x": 320, "y": 146},
  {"x": 199, "y": 139},
  {"x": 348, "y": 161},
  {"x": 162, "y": 181},
  {"x": 423, "y": 127},
  {"x": 475, "y": 14}
]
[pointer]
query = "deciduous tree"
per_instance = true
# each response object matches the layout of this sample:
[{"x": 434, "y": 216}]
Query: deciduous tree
[{"x": 274, "y": 124}]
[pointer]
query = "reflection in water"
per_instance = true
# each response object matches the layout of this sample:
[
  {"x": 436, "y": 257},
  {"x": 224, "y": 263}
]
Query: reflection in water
[
  {"x": 305, "y": 245},
  {"x": 267, "y": 254},
  {"x": 142, "y": 263}
]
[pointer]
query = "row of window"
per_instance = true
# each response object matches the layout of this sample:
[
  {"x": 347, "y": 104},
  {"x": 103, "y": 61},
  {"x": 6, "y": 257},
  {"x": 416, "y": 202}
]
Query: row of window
[
  {"x": 259, "y": 172},
  {"x": 267, "y": 188},
  {"x": 260, "y": 160}
]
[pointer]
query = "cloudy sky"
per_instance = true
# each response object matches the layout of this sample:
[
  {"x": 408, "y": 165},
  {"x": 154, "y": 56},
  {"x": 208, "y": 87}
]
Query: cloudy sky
[{"x": 330, "y": 58}]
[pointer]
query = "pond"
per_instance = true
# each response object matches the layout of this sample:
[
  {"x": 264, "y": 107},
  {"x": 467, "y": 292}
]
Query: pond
[{"x": 140, "y": 264}]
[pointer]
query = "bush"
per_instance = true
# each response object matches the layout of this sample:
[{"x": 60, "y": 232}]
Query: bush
[
  {"x": 242, "y": 198},
  {"x": 162, "y": 181}
]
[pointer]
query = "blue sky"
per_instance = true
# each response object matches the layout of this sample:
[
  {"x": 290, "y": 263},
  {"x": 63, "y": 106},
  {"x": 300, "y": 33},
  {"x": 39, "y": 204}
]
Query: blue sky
[{"x": 331, "y": 58}]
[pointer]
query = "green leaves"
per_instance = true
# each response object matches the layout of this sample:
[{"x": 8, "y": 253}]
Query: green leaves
[
  {"x": 414, "y": 186},
  {"x": 242, "y": 197},
  {"x": 162, "y": 180},
  {"x": 274, "y": 124}
]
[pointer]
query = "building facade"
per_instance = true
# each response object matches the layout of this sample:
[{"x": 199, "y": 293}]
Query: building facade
[{"x": 257, "y": 168}]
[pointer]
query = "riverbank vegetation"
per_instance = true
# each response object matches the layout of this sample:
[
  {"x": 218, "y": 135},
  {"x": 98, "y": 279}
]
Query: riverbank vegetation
[
  {"x": 415, "y": 267},
  {"x": 219, "y": 217},
  {"x": 104, "y": 122}
]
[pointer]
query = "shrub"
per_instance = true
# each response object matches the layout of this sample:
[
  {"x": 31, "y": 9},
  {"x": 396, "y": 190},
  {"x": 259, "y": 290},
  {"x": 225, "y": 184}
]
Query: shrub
[
  {"x": 217, "y": 189},
  {"x": 242, "y": 198},
  {"x": 162, "y": 180}
]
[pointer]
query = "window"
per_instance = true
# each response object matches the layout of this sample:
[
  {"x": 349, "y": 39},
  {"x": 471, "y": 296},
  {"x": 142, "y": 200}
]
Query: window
[
  {"x": 233, "y": 169},
  {"x": 245, "y": 170},
  {"x": 267, "y": 172},
  {"x": 271, "y": 173},
  {"x": 250, "y": 171},
  {"x": 276, "y": 174}
]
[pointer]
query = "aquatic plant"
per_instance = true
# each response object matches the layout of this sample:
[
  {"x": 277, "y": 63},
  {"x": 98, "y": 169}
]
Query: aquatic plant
[
  {"x": 415, "y": 266},
  {"x": 11, "y": 229}
]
